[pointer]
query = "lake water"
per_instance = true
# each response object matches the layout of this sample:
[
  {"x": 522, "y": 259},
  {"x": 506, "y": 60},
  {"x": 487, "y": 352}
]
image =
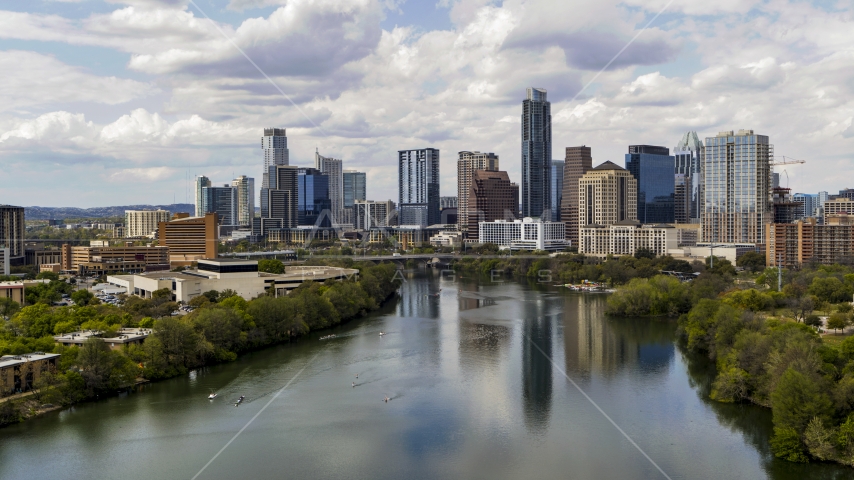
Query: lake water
[{"x": 485, "y": 381}]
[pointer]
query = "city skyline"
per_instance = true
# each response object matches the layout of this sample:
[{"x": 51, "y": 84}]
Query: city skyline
[{"x": 141, "y": 123}]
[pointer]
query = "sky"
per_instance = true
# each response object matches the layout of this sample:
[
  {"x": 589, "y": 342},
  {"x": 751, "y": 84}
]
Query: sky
[{"x": 118, "y": 102}]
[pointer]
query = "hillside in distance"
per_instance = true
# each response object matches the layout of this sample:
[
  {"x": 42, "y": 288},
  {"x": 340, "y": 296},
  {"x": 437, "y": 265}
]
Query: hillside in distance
[{"x": 60, "y": 213}]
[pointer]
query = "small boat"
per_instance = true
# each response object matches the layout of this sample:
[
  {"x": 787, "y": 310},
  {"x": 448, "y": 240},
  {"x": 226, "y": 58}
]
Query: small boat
[
  {"x": 211, "y": 396},
  {"x": 382, "y": 333},
  {"x": 239, "y": 400},
  {"x": 328, "y": 337}
]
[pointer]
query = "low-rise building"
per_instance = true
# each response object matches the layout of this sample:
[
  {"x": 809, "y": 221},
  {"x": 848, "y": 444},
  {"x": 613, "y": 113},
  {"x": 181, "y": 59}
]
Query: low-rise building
[
  {"x": 19, "y": 373},
  {"x": 446, "y": 238},
  {"x": 16, "y": 290},
  {"x": 220, "y": 274},
  {"x": 100, "y": 258},
  {"x": 525, "y": 234},
  {"x": 189, "y": 238},
  {"x": 625, "y": 238},
  {"x": 125, "y": 336}
]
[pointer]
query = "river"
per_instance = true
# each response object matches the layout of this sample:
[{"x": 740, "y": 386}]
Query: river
[{"x": 485, "y": 380}]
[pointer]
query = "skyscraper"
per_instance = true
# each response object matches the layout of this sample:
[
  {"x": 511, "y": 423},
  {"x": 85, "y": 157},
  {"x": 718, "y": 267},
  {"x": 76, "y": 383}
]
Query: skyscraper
[
  {"x": 12, "y": 229},
  {"x": 201, "y": 182},
  {"x": 536, "y": 154},
  {"x": 355, "y": 188},
  {"x": 681, "y": 199},
  {"x": 313, "y": 202},
  {"x": 492, "y": 196},
  {"x": 418, "y": 184},
  {"x": 688, "y": 155},
  {"x": 279, "y": 201},
  {"x": 607, "y": 195},
  {"x": 467, "y": 164},
  {"x": 556, "y": 189},
  {"x": 275, "y": 146},
  {"x": 223, "y": 202},
  {"x": 653, "y": 168},
  {"x": 736, "y": 177},
  {"x": 578, "y": 162},
  {"x": 245, "y": 199},
  {"x": 334, "y": 169}
]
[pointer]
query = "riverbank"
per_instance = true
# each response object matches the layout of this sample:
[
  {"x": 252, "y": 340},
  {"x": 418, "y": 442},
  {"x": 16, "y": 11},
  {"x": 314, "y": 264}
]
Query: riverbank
[{"x": 217, "y": 331}]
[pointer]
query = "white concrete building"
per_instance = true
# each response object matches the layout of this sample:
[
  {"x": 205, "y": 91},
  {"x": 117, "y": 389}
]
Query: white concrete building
[
  {"x": 525, "y": 234},
  {"x": 447, "y": 238},
  {"x": 625, "y": 238},
  {"x": 239, "y": 275},
  {"x": 143, "y": 223}
]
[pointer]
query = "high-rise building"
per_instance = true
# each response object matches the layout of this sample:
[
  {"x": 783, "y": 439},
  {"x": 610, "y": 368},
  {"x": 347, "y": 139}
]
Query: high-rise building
[
  {"x": 369, "y": 214},
  {"x": 607, "y": 195},
  {"x": 143, "y": 223},
  {"x": 201, "y": 182},
  {"x": 653, "y": 168},
  {"x": 556, "y": 189},
  {"x": 334, "y": 169},
  {"x": 681, "y": 198},
  {"x": 313, "y": 204},
  {"x": 578, "y": 161},
  {"x": 418, "y": 183},
  {"x": 808, "y": 204},
  {"x": 736, "y": 191},
  {"x": 355, "y": 188},
  {"x": 245, "y": 200},
  {"x": 280, "y": 200},
  {"x": 688, "y": 155},
  {"x": 12, "y": 228},
  {"x": 275, "y": 146},
  {"x": 846, "y": 193},
  {"x": 536, "y": 154},
  {"x": 189, "y": 238},
  {"x": 222, "y": 201},
  {"x": 492, "y": 196},
  {"x": 448, "y": 202},
  {"x": 785, "y": 209},
  {"x": 467, "y": 164}
]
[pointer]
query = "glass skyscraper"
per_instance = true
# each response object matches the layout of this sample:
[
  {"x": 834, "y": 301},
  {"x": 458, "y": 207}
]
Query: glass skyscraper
[
  {"x": 418, "y": 184},
  {"x": 536, "y": 154},
  {"x": 653, "y": 168},
  {"x": 556, "y": 189},
  {"x": 313, "y": 203},
  {"x": 222, "y": 201},
  {"x": 736, "y": 171},
  {"x": 688, "y": 155}
]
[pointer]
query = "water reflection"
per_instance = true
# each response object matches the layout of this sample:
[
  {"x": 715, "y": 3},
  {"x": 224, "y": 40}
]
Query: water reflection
[
  {"x": 536, "y": 367},
  {"x": 418, "y": 297}
]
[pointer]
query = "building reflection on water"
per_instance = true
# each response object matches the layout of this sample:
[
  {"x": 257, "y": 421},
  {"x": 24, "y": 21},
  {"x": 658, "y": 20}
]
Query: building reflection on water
[
  {"x": 418, "y": 298},
  {"x": 536, "y": 367},
  {"x": 595, "y": 344}
]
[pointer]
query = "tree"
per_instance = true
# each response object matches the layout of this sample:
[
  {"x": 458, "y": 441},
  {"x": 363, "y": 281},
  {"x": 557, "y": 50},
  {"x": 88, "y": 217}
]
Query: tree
[
  {"x": 837, "y": 321},
  {"x": 721, "y": 266},
  {"x": 801, "y": 307},
  {"x": 84, "y": 297},
  {"x": 8, "y": 307},
  {"x": 797, "y": 399},
  {"x": 813, "y": 320},
  {"x": 644, "y": 252},
  {"x": 753, "y": 261},
  {"x": 271, "y": 266},
  {"x": 48, "y": 275}
]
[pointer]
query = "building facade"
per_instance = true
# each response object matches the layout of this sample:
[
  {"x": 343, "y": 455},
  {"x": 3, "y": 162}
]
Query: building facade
[
  {"x": 525, "y": 234},
  {"x": 313, "y": 203},
  {"x": 20, "y": 373},
  {"x": 279, "y": 201},
  {"x": 189, "y": 238},
  {"x": 201, "y": 182},
  {"x": 370, "y": 213},
  {"x": 418, "y": 183},
  {"x": 222, "y": 201},
  {"x": 626, "y": 238},
  {"x": 467, "y": 164},
  {"x": 245, "y": 200},
  {"x": 805, "y": 241},
  {"x": 556, "y": 197},
  {"x": 653, "y": 168},
  {"x": 536, "y": 154},
  {"x": 492, "y": 196},
  {"x": 143, "y": 223},
  {"x": 355, "y": 188},
  {"x": 334, "y": 169},
  {"x": 688, "y": 157},
  {"x": 837, "y": 206},
  {"x": 274, "y": 144},
  {"x": 736, "y": 187},
  {"x": 578, "y": 161},
  {"x": 12, "y": 228},
  {"x": 607, "y": 195},
  {"x": 105, "y": 259}
]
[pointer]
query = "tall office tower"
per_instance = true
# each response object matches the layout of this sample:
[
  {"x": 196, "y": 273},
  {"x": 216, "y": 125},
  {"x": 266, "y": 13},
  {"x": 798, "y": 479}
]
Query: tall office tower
[
  {"x": 201, "y": 182},
  {"x": 279, "y": 201},
  {"x": 808, "y": 204},
  {"x": 467, "y": 164},
  {"x": 221, "y": 201},
  {"x": 653, "y": 168},
  {"x": 355, "y": 188},
  {"x": 275, "y": 146},
  {"x": 536, "y": 154},
  {"x": 334, "y": 169},
  {"x": 313, "y": 204},
  {"x": 736, "y": 177},
  {"x": 775, "y": 180},
  {"x": 688, "y": 155},
  {"x": 369, "y": 214},
  {"x": 245, "y": 199},
  {"x": 556, "y": 188},
  {"x": 142, "y": 223},
  {"x": 578, "y": 162},
  {"x": 418, "y": 187},
  {"x": 12, "y": 229},
  {"x": 492, "y": 196},
  {"x": 607, "y": 195},
  {"x": 681, "y": 198}
]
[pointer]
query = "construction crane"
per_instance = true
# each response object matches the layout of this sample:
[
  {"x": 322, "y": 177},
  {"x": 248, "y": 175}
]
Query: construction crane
[{"x": 786, "y": 161}]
